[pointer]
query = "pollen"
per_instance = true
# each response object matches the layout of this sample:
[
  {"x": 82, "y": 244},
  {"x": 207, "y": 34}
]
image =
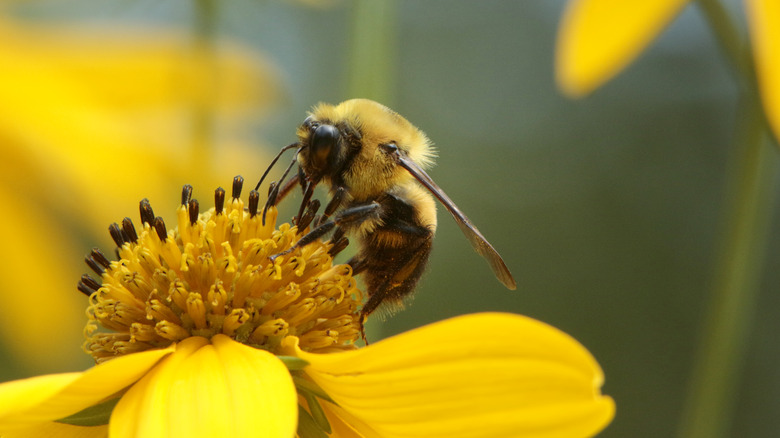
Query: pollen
[{"x": 224, "y": 271}]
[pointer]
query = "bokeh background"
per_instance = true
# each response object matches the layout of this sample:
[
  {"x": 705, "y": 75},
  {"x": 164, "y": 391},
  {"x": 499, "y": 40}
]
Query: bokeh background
[{"x": 609, "y": 210}]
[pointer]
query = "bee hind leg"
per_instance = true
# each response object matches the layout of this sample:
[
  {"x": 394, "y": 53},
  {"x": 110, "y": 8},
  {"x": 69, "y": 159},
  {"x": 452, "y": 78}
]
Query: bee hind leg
[{"x": 397, "y": 279}]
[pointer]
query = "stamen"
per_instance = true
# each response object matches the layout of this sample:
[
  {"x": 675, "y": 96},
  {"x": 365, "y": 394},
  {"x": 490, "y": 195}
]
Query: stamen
[
  {"x": 147, "y": 214},
  {"x": 171, "y": 331},
  {"x": 96, "y": 268},
  {"x": 116, "y": 234},
  {"x": 196, "y": 310},
  {"x": 159, "y": 226},
  {"x": 193, "y": 210},
  {"x": 234, "y": 320},
  {"x": 238, "y": 185},
  {"x": 219, "y": 200},
  {"x": 87, "y": 285},
  {"x": 254, "y": 200},
  {"x": 129, "y": 230},
  {"x": 186, "y": 194},
  {"x": 101, "y": 259}
]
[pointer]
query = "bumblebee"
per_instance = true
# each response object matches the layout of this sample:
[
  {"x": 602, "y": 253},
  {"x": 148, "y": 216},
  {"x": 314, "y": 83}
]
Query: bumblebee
[{"x": 373, "y": 160}]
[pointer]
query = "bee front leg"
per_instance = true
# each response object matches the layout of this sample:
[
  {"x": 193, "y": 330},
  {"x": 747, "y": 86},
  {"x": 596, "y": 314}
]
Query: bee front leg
[
  {"x": 349, "y": 217},
  {"x": 335, "y": 202}
]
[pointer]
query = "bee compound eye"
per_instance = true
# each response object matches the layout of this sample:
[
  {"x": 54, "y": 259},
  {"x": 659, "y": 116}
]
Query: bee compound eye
[
  {"x": 323, "y": 141},
  {"x": 389, "y": 148},
  {"x": 310, "y": 122}
]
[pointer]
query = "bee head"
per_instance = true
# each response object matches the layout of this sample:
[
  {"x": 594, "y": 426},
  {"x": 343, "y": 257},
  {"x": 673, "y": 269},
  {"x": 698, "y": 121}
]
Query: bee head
[
  {"x": 324, "y": 148},
  {"x": 352, "y": 145}
]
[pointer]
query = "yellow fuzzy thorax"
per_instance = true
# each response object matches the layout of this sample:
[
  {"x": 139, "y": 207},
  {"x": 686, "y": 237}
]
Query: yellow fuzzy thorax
[{"x": 371, "y": 173}]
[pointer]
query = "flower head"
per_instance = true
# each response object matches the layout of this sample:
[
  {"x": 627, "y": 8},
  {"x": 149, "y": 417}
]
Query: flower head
[
  {"x": 214, "y": 328},
  {"x": 215, "y": 275}
]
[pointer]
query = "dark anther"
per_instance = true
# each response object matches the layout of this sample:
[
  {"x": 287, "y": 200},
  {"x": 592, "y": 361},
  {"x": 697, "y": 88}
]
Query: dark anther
[
  {"x": 116, "y": 234},
  {"x": 99, "y": 257},
  {"x": 271, "y": 188},
  {"x": 219, "y": 200},
  {"x": 194, "y": 210},
  {"x": 159, "y": 226},
  {"x": 88, "y": 285},
  {"x": 339, "y": 246},
  {"x": 238, "y": 185},
  {"x": 147, "y": 214},
  {"x": 94, "y": 265},
  {"x": 338, "y": 233},
  {"x": 129, "y": 230},
  {"x": 90, "y": 282},
  {"x": 186, "y": 194},
  {"x": 84, "y": 289},
  {"x": 254, "y": 200},
  {"x": 308, "y": 216}
]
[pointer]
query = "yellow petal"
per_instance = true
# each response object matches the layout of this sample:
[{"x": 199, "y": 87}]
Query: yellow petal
[
  {"x": 57, "y": 430},
  {"x": 476, "y": 375},
  {"x": 764, "y": 20},
  {"x": 206, "y": 390},
  {"x": 598, "y": 38},
  {"x": 47, "y": 398}
]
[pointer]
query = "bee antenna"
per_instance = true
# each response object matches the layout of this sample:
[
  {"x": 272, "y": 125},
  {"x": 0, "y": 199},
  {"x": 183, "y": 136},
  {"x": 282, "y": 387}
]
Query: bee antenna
[
  {"x": 275, "y": 191},
  {"x": 284, "y": 149}
]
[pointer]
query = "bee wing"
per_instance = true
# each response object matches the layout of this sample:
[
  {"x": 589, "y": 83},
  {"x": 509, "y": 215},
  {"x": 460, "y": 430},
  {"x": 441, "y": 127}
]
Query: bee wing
[{"x": 478, "y": 241}]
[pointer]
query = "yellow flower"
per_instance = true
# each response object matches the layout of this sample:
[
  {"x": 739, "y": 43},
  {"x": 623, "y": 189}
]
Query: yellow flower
[
  {"x": 204, "y": 331},
  {"x": 598, "y": 38},
  {"x": 87, "y": 108}
]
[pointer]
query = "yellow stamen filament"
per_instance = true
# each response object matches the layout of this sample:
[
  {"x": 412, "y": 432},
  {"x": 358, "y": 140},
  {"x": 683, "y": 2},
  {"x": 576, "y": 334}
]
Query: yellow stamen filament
[
  {"x": 171, "y": 331},
  {"x": 233, "y": 321},
  {"x": 196, "y": 310}
]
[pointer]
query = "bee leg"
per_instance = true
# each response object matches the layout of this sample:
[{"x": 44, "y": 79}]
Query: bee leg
[
  {"x": 287, "y": 188},
  {"x": 338, "y": 245},
  {"x": 396, "y": 280},
  {"x": 307, "y": 194},
  {"x": 309, "y": 215},
  {"x": 333, "y": 205},
  {"x": 353, "y": 215},
  {"x": 397, "y": 284},
  {"x": 358, "y": 264}
]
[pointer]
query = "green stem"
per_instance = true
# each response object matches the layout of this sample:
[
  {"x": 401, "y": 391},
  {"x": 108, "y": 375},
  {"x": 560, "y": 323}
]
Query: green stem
[
  {"x": 204, "y": 53},
  {"x": 373, "y": 55},
  {"x": 718, "y": 364},
  {"x": 709, "y": 407},
  {"x": 735, "y": 47}
]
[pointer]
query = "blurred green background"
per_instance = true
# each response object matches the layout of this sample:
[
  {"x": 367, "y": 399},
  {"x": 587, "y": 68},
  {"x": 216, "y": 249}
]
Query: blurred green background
[{"x": 608, "y": 210}]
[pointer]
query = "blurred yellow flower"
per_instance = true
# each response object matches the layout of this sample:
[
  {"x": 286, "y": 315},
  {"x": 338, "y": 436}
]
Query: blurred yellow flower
[
  {"x": 598, "y": 38},
  {"x": 94, "y": 116},
  {"x": 199, "y": 333}
]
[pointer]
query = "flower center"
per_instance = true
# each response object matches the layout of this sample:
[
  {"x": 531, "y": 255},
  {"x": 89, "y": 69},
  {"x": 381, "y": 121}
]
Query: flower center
[{"x": 215, "y": 274}]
